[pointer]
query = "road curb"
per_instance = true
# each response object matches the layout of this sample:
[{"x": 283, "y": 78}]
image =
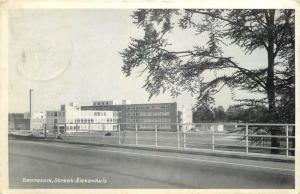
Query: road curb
[{"x": 175, "y": 150}]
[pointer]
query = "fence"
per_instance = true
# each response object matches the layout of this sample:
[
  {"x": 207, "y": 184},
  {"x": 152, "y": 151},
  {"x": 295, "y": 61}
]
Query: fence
[{"x": 223, "y": 137}]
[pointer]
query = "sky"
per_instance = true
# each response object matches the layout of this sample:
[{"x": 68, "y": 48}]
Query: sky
[{"x": 73, "y": 56}]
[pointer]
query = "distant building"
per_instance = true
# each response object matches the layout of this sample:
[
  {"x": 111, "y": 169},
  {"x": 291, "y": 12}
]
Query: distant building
[
  {"x": 111, "y": 102},
  {"x": 71, "y": 118},
  {"x": 164, "y": 115},
  {"x": 22, "y": 121},
  {"x": 18, "y": 121},
  {"x": 37, "y": 121},
  {"x": 187, "y": 118}
]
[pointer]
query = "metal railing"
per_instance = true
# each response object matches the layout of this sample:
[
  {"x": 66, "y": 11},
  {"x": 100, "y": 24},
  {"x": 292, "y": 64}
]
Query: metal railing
[{"x": 222, "y": 137}]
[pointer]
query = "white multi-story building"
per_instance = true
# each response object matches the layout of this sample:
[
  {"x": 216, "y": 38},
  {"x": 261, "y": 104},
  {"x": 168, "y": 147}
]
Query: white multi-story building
[
  {"x": 71, "y": 118},
  {"x": 37, "y": 120}
]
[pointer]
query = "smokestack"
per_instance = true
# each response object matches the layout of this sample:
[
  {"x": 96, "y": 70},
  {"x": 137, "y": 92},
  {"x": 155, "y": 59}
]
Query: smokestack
[{"x": 30, "y": 104}]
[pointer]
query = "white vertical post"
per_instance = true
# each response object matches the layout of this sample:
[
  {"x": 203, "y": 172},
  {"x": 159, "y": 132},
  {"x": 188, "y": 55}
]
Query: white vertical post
[
  {"x": 156, "y": 136},
  {"x": 103, "y": 131},
  {"x": 184, "y": 139},
  {"x": 213, "y": 138},
  {"x": 45, "y": 131},
  {"x": 89, "y": 132},
  {"x": 136, "y": 134},
  {"x": 178, "y": 136},
  {"x": 65, "y": 129},
  {"x": 287, "y": 140},
  {"x": 247, "y": 139},
  {"x": 119, "y": 133}
]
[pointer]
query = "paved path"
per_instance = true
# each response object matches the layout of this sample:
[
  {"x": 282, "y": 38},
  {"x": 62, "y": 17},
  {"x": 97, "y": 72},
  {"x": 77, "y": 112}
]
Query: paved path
[{"x": 52, "y": 163}]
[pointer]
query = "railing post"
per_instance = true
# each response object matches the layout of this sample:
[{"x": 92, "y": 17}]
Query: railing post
[
  {"x": 287, "y": 140},
  {"x": 183, "y": 137},
  {"x": 178, "y": 136},
  {"x": 89, "y": 132},
  {"x": 65, "y": 129},
  {"x": 103, "y": 130},
  {"x": 213, "y": 138},
  {"x": 156, "y": 136},
  {"x": 119, "y": 134},
  {"x": 45, "y": 131},
  {"x": 247, "y": 139},
  {"x": 136, "y": 134}
]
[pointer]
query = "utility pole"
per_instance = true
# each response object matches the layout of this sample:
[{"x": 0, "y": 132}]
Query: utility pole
[{"x": 30, "y": 103}]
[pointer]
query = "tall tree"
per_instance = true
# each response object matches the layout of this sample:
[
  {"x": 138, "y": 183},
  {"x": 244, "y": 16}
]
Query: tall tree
[
  {"x": 220, "y": 115},
  {"x": 203, "y": 114},
  {"x": 184, "y": 70}
]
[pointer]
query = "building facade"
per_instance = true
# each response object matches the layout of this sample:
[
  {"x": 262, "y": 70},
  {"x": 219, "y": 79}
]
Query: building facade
[
  {"x": 143, "y": 116},
  {"x": 71, "y": 118},
  {"x": 22, "y": 121},
  {"x": 18, "y": 121},
  {"x": 37, "y": 120}
]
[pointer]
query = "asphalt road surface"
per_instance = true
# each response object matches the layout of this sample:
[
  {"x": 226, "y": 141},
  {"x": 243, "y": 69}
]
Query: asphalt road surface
[{"x": 59, "y": 165}]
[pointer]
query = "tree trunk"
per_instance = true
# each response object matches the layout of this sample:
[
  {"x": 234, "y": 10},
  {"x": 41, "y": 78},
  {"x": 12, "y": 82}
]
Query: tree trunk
[
  {"x": 270, "y": 81},
  {"x": 271, "y": 101}
]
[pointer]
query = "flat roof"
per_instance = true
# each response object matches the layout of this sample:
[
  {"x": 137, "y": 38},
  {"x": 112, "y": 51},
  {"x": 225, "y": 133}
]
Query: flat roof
[{"x": 144, "y": 104}]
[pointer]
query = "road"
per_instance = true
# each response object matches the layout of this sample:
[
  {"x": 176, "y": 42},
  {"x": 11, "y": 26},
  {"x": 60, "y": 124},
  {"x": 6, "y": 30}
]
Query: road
[{"x": 58, "y": 165}]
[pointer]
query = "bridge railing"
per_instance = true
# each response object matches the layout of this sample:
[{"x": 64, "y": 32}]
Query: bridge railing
[{"x": 248, "y": 138}]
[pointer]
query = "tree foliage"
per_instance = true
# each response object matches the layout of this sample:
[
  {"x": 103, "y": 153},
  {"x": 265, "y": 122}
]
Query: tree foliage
[
  {"x": 203, "y": 114},
  {"x": 184, "y": 70},
  {"x": 254, "y": 114}
]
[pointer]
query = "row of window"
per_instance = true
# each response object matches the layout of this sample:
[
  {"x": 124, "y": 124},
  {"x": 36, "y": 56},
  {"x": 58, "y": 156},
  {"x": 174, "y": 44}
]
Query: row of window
[
  {"x": 100, "y": 103},
  {"x": 56, "y": 114},
  {"x": 150, "y": 127},
  {"x": 148, "y": 107},
  {"x": 115, "y": 114},
  {"x": 99, "y": 113},
  {"x": 150, "y": 120},
  {"x": 97, "y": 127},
  {"x": 148, "y": 114},
  {"x": 104, "y": 120}
]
